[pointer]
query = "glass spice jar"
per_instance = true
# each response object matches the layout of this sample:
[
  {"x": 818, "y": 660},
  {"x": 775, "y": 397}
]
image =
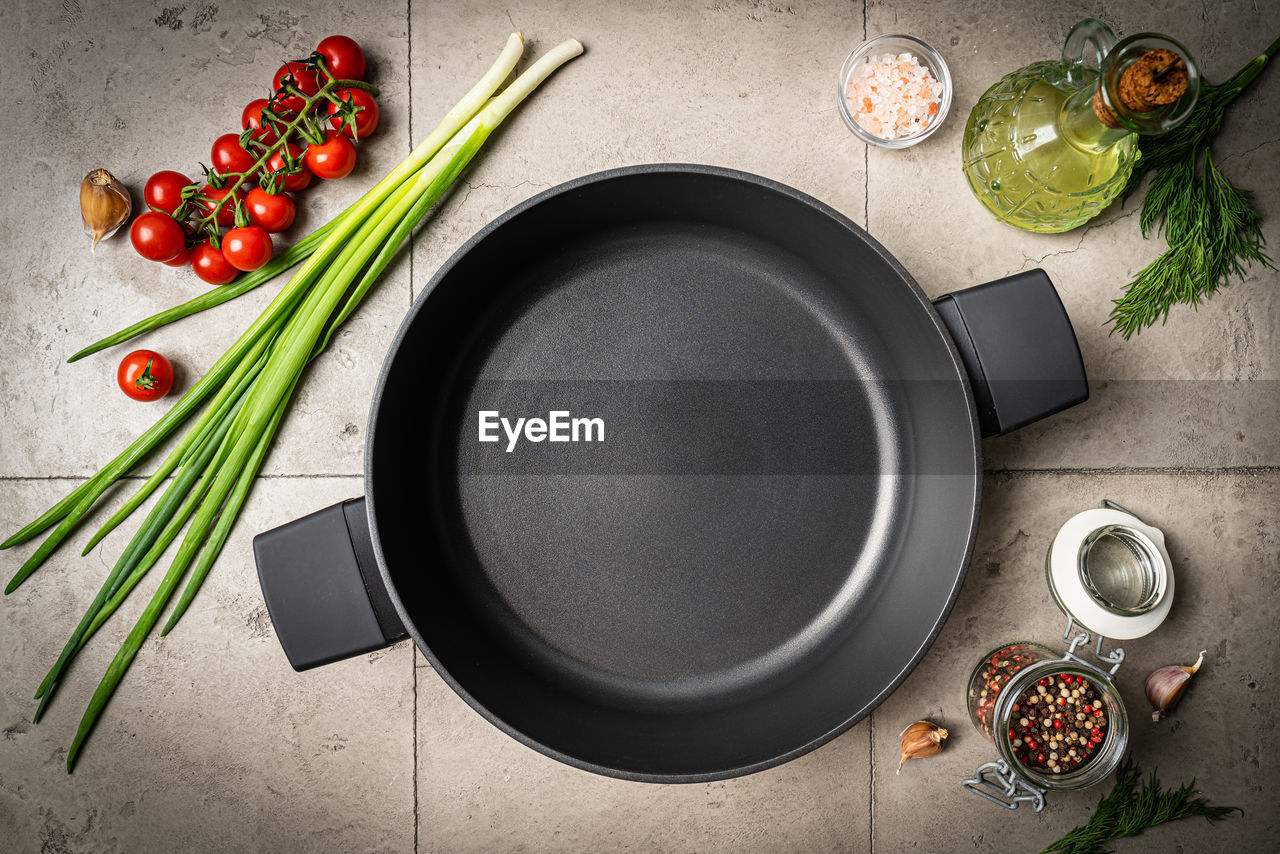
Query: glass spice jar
[
  {"x": 1056, "y": 719},
  {"x": 1049, "y": 740}
]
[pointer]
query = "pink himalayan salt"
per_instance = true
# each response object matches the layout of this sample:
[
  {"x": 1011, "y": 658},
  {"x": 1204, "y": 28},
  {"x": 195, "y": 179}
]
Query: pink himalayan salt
[{"x": 893, "y": 97}]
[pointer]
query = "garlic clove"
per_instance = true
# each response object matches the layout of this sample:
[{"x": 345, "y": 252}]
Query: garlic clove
[
  {"x": 1165, "y": 686},
  {"x": 920, "y": 740},
  {"x": 105, "y": 204}
]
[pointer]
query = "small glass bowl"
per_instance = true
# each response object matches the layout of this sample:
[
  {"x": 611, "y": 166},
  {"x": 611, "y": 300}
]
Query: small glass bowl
[{"x": 895, "y": 44}]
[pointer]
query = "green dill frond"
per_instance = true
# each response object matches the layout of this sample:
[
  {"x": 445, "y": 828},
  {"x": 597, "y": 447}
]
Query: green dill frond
[
  {"x": 1128, "y": 811},
  {"x": 1213, "y": 231}
]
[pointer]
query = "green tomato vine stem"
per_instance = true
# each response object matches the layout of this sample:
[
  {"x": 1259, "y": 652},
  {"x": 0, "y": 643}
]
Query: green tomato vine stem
[{"x": 211, "y": 214}]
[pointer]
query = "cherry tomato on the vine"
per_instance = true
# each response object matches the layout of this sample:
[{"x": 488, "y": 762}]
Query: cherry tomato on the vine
[
  {"x": 298, "y": 180},
  {"x": 157, "y": 236},
  {"x": 145, "y": 375},
  {"x": 164, "y": 190},
  {"x": 332, "y": 159},
  {"x": 227, "y": 155},
  {"x": 303, "y": 79},
  {"x": 366, "y": 116},
  {"x": 211, "y": 265},
  {"x": 181, "y": 259},
  {"x": 209, "y": 196},
  {"x": 247, "y": 247},
  {"x": 343, "y": 57},
  {"x": 251, "y": 117},
  {"x": 274, "y": 212}
]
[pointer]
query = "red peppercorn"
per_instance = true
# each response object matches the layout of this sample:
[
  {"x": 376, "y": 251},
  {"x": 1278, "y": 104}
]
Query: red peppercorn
[
  {"x": 1057, "y": 724},
  {"x": 1097, "y": 713},
  {"x": 1062, "y": 701}
]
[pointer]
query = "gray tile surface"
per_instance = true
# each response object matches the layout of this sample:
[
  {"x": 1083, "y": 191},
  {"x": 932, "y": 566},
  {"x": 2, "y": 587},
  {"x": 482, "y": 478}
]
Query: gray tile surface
[
  {"x": 1223, "y": 532},
  {"x": 480, "y": 790},
  {"x": 213, "y": 743}
]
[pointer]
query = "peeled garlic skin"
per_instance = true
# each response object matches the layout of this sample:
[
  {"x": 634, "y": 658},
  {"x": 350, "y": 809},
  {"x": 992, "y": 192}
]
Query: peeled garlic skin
[
  {"x": 105, "y": 204},
  {"x": 1165, "y": 686},
  {"x": 920, "y": 740}
]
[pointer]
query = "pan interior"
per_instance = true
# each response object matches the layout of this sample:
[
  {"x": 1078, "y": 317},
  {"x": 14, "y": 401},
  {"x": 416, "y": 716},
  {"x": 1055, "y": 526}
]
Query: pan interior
[
  {"x": 732, "y": 517},
  {"x": 777, "y": 518}
]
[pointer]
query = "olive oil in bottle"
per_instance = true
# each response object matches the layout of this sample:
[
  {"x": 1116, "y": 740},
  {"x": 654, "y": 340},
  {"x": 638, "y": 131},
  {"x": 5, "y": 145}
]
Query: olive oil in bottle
[{"x": 1049, "y": 146}]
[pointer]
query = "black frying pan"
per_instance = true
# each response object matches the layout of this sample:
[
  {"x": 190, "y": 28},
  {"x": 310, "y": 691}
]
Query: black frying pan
[{"x": 771, "y": 529}]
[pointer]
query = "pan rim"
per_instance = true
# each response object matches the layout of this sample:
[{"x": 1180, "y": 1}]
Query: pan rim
[{"x": 856, "y": 232}]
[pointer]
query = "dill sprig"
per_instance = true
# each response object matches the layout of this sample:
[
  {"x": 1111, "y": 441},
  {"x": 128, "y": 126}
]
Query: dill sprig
[
  {"x": 1128, "y": 810},
  {"x": 1211, "y": 226}
]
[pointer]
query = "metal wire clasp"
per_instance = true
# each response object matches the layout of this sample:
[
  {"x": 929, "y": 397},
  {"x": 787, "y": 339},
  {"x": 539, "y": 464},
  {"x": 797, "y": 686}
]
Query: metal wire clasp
[
  {"x": 998, "y": 784},
  {"x": 1114, "y": 657}
]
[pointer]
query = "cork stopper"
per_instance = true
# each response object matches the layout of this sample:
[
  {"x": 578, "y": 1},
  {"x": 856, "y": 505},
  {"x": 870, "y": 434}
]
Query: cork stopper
[{"x": 1156, "y": 79}]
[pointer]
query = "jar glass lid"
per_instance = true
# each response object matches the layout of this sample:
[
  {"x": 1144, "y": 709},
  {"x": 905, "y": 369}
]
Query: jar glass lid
[{"x": 1109, "y": 571}]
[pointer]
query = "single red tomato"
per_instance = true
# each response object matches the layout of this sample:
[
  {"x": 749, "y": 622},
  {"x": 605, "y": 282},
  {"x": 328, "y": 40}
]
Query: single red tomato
[
  {"x": 302, "y": 78},
  {"x": 209, "y": 196},
  {"x": 211, "y": 265},
  {"x": 228, "y": 157},
  {"x": 164, "y": 190},
  {"x": 272, "y": 211},
  {"x": 298, "y": 180},
  {"x": 366, "y": 113},
  {"x": 343, "y": 57},
  {"x": 157, "y": 236},
  {"x": 247, "y": 247},
  {"x": 251, "y": 117},
  {"x": 332, "y": 159},
  {"x": 145, "y": 375},
  {"x": 181, "y": 259}
]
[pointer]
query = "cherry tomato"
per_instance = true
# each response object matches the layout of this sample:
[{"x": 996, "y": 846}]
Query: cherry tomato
[
  {"x": 211, "y": 265},
  {"x": 157, "y": 236},
  {"x": 298, "y": 180},
  {"x": 181, "y": 259},
  {"x": 228, "y": 156},
  {"x": 209, "y": 196},
  {"x": 164, "y": 190},
  {"x": 145, "y": 375},
  {"x": 251, "y": 117},
  {"x": 303, "y": 79},
  {"x": 332, "y": 159},
  {"x": 366, "y": 116},
  {"x": 247, "y": 247},
  {"x": 343, "y": 57},
  {"x": 272, "y": 212}
]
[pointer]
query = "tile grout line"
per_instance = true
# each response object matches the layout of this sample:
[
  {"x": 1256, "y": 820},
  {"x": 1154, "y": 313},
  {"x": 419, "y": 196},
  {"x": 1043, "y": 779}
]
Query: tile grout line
[
  {"x": 1135, "y": 470},
  {"x": 871, "y": 789},
  {"x": 413, "y": 657},
  {"x": 413, "y": 660},
  {"x": 866, "y": 153}
]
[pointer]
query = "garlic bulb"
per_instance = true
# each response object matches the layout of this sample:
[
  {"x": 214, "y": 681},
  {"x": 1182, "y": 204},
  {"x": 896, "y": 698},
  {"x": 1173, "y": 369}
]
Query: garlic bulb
[
  {"x": 105, "y": 204},
  {"x": 920, "y": 740},
  {"x": 1165, "y": 686}
]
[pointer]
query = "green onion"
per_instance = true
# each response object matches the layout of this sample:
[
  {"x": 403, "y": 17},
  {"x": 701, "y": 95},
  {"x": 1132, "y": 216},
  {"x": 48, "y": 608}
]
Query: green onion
[{"x": 248, "y": 390}]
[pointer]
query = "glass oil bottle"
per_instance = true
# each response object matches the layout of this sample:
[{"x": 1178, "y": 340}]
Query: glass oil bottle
[{"x": 1049, "y": 146}]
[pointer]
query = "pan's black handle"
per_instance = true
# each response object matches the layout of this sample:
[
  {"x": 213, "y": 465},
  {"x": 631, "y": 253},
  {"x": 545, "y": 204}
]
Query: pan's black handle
[
  {"x": 1019, "y": 350},
  {"x": 323, "y": 589}
]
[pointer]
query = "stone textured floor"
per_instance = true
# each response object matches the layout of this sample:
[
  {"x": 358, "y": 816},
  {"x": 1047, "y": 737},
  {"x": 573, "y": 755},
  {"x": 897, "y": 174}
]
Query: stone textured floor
[{"x": 212, "y": 743}]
